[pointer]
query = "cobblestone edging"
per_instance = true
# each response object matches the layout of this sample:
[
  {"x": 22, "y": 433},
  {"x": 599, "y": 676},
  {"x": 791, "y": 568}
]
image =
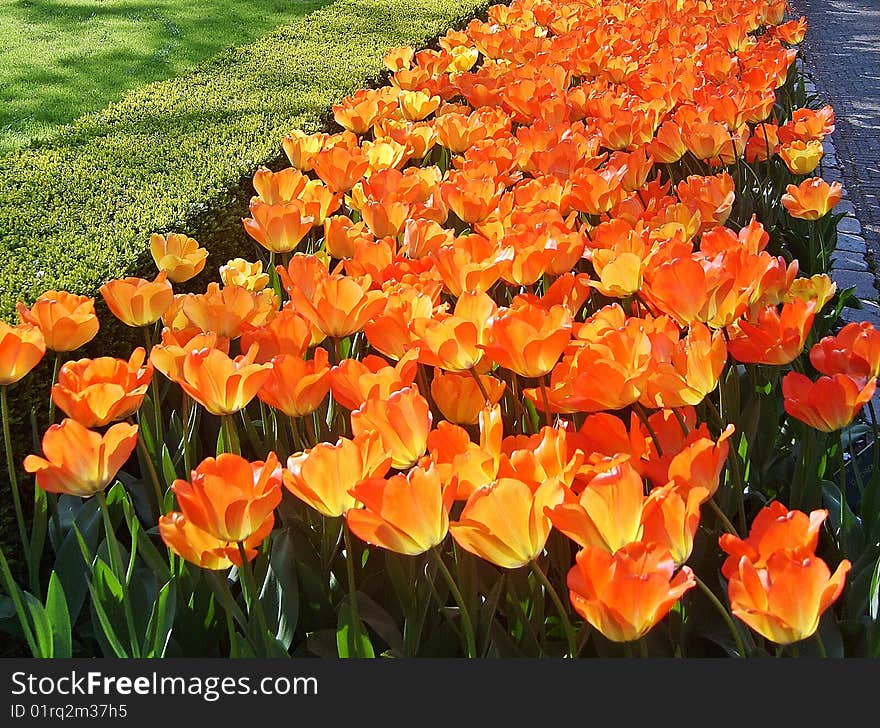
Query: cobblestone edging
[{"x": 852, "y": 265}]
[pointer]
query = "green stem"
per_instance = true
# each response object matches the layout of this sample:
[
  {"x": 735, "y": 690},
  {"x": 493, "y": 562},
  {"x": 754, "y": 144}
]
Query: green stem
[
  {"x": 55, "y": 367},
  {"x": 821, "y": 645},
  {"x": 724, "y": 613},
  {"x": 725, "y": 521},
  {"x": 480, "y": 386},
  {"x": 349, "y": 569},
  {"x": 466, "y": 623},
  {"x": 230, "y": 439},
  {"x": 154, "y": 387},
  {"x": 187, "y": 406},
  {"x": 843, "y": 504},
  {"x": 13, "y": 477},
  {"x": 546, "y": 401},
  {"x": 154, "y": 476},
  {"x": 557, "y": 602},
  {"x": 251, "y": 595},
  {"x": 116, "y": 566}
]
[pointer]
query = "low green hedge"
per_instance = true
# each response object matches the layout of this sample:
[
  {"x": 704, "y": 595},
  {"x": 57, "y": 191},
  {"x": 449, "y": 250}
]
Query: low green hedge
[
  {"x": 178, "y": 155},
  {"x": 79, "y": 209}
]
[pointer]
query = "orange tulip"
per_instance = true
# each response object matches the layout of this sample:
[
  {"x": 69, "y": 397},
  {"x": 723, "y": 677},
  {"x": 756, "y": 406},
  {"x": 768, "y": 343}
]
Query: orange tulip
[
  {"x": 168, "y": 357},
  {"x": 225, "y": 311},
  {"x": 278, "y": 188},
  {"x": 21, "y": 349},
  {"x": 67, "y": 321},
  {"x": 399, "y": 58},
  {"x": 286, "y": 333},
  {"x": 774, "y": 529},
  {"x": 472, "y": 198},
  {"x": 138, "y": 302},
  {"x": 417, "y": 105},
  {"x": 96, "y": 392},
  {"x": 505, "y": 522},
  {"x": 459, "y": 398},
  {"x": 340, "y": 168},
  {"x": 81, "y": 462},
  {"x": 854, "y": 351},
  {"x": 783, "y": 602},
  {"x": 453, "y": 341},
  {"x": 239, "y": 272},
  {"x": 528, "y": 339},
  {"x": 204, "y": 550},
  {"x": 811, "y": 199},
  {"x": 338, "y": 305},
  {"x": 684, "y": 370},
  {"x": 278, "y": 228},
  {"x": 625, "y": 594},
  {"x": 360, "y": 111},
  {"x": 222, "y": 385},
  {"x": 608, "y": 512},
  {"x": 324, "y": 476},
  {"x": 229, "y": 497},
  {"x": 301, "y": 148},
  {"x": 178, "y": 255},
  {"x": 472, "y": 465},
  {"x": 777, "y": 337},
  {"x": 407, "y": 514},
  {"x": 671, "y": 518},
  {"x": 712, "y": 197},
  {"x": 470, "y": 264},
  {"x": 296, "y": 386},
  {"x": 828, "y": 404},
  {"x": 389, "y": 332},
  {"x": 353, "y": 381},
  {"x": 403, "y": 420}
]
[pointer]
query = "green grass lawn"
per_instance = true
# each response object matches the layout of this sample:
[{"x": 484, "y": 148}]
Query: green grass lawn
[{"x": 60, "y": 59}]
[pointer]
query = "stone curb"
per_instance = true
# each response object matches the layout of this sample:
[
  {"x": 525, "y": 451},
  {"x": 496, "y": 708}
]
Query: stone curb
[{"x": 851, "y": 263}]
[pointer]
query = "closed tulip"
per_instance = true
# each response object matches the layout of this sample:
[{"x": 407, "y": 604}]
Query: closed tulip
[
  {"x": 505, "y": 522},
  {"x": 21, "y": 349},
  {"x": 138, "y": 302},
  {"x": 229, "y": 497},
  {"x": 324, "y": 476},
  {"x": 222, "y": 385},
  {"x": 854, "y": 351},
  {"x": 459, "y": 398},
  {"x": 407, "y": 514},
  {"x": 403, "y": 420},
  {"x": 78, "y": 461}
]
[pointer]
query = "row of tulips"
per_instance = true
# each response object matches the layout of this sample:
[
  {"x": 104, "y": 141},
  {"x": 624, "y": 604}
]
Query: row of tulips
[{"x": 540, "y": 340}]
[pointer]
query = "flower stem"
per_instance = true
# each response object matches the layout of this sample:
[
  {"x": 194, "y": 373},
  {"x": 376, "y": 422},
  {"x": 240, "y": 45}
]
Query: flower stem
[
  {"x": 546, "y": 401},
  {"x": 480, "y": 385},
  {"x": 349, "y": 569},
  {"x": 725, "y": 521},
  {"x": 821, "y": 645},
  {"x": 843, "y": 504},
  {"x": 119, "y": 573},
  {"x": 557, "y": 602},
  {"x": 154, "y": 476},
  {"x": 724, "y": 613},
  {"x": 55, "y": 367},
  {"x": 466, "y": 623},
  {"x": 251, "y": 595},
  {"x": 13, "y": 478}
]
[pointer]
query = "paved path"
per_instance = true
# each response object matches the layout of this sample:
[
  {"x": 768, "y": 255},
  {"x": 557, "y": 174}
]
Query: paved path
[{"x": 842, "y": 55}]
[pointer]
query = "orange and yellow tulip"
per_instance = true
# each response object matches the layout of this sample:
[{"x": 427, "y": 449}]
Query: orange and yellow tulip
[
  {"x": 623, "y": 595},
  {"x": 178, "y": 255},
  {"x": 204, "y": 550},
  {"x": 67, "y": 321},
  {"x": 78, "y": 461},
  {"x": 297, "y": 386},
  {"x": 229, "y": 497},
  {"x": 777, "y": 336},
  {"x": 528, "y": 339},
  {"x": 403, "y": 420},
  {"x": 784, "y": 600},
  {"x": 811, "y": 199},
  {"x": 459, "y": 398},
  {"x": 407, "y": 514},
  {"x": 222, "y": 385},
  {"x": 138, "y": 302},
  {"x": 854, "y": 351},
  {"x": 278, "y": 228},
  {"x": 354, "y": 381},
  {"x": 225, "y": 311},
  {"x": 96, "y": 392},
  {"x": 324, "y": 476},
  {"x": 505, "y": 521},
  {"x": 21, "y": 349},
  {"x": 239, "y": 272}
]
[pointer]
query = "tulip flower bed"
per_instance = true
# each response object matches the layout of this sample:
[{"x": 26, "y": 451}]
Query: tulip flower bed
[{"x": 542, "y": 359}]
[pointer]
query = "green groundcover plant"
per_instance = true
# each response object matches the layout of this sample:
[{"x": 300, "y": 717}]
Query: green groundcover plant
[{"x": 538, "y": 357}]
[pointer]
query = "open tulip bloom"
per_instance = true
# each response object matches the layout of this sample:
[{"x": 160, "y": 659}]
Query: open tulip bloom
[{"x": 538, "y": 328}]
